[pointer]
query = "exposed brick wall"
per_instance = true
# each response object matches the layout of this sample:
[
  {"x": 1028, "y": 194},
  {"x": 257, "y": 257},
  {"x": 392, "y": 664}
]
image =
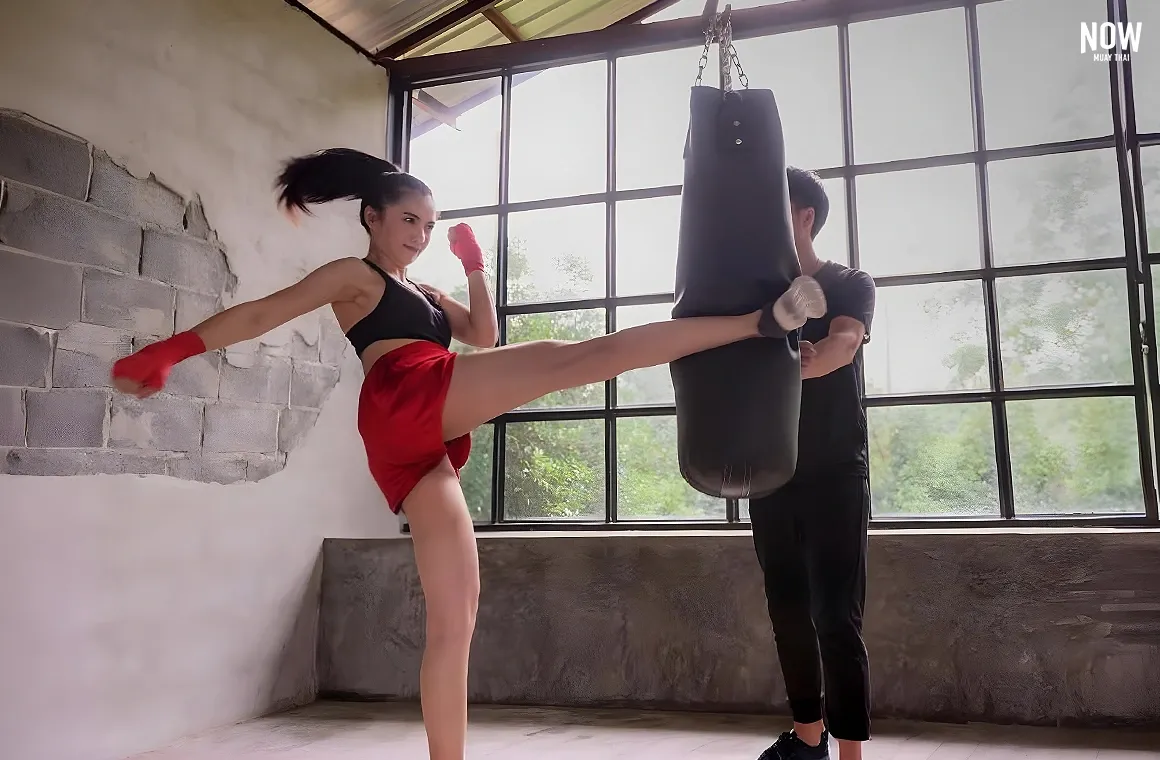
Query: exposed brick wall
[{"x": 94, "y": 264}]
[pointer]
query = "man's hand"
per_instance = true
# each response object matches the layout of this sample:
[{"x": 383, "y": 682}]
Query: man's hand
[{"x": 808, "y": 353}]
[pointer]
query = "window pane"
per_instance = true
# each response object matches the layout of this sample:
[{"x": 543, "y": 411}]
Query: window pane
[
  {"x": 1145, "y": 63},
  {"x": 1072, "y": 456},
  {"x": 928, "y": 338},
  {"x": 923, "y": 220},
  {"x": 476, "y": 477},
  {"x": 652, "y": 117},
  {"x": 1036, "y": 88},
  {"x": 650, "y": 385},
  {"x": 802, "y": 70},
  {"x": 458, "y": 161},
  {"x": 554, "y": 470},
  {"x": 1150, "y": 173},
  {"x": 933, "y": 461},
  {"x": 1060, "y": 207},
  {"x": 832, "y": 242},
  {"x": 649, "y": 485},
  {"x": 910, "y": 86},
  {"x": 1064, "y": 329},
  {"x": 438, "y": 267},
  {"x": 561, "y": 325},
  {"x": 556, "y": 254},
  {"x": 559, "y": 133},
  {"x": 647, "y": 232}
]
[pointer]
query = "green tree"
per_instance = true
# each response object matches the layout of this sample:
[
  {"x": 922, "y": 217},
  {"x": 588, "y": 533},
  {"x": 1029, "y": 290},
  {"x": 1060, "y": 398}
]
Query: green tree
[
  {"x": 1068, "y": 455},
  {"x": 557, "y": 469}
]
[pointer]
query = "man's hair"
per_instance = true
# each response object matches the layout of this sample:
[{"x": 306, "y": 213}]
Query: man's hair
[{"x": 806, "y": 191}]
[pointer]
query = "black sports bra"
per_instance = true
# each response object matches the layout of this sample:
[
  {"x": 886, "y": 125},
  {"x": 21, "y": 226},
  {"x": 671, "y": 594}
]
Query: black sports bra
[{"x": 400, "y": 313}]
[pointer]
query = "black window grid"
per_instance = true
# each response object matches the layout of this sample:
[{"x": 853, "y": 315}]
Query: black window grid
[{"x": 1140, "y": 254}]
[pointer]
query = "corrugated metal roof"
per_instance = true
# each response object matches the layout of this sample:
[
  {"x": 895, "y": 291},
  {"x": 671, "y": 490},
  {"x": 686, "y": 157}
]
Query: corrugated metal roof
[
  {"x": 375, "y": 25},
  {"x": 381, "y": 25}
]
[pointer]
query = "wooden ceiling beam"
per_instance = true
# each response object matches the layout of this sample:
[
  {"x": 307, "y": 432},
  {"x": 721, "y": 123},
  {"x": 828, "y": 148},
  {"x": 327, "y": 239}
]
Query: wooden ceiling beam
[
  {"x": 433, "y": 29},
  {"x": 500, "y": 22}
]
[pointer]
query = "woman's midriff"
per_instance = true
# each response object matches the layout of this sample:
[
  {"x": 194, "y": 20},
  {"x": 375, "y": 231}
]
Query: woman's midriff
[{"x": 381, "y": 348}]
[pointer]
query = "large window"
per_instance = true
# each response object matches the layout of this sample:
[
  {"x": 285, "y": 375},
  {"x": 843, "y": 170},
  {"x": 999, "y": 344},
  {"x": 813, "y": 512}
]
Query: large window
[{"x": 1001, "y": 188}]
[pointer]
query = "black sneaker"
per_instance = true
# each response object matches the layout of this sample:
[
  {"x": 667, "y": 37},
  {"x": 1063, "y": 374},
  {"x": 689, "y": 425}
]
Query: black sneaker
[{"x": 789, "y": 746}]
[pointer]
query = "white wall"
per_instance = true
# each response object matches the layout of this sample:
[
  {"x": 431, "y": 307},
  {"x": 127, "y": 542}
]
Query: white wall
[{"x": 138, "y": 609}]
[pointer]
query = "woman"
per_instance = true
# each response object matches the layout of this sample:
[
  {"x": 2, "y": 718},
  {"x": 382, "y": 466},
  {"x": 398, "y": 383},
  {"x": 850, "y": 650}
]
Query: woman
[{"x": 419, "y": 401}]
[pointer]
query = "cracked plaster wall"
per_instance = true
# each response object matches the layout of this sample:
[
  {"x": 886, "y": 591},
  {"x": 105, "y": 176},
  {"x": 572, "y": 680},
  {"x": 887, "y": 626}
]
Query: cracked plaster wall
[{"x": 141, "y": 607}]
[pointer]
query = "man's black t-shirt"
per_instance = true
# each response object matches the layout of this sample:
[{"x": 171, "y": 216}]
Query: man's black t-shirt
[{"x": 832, "y": 436}]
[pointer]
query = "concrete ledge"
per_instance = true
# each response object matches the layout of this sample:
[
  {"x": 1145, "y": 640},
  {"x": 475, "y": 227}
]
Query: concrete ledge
[{"x": 1038, "y": 627}]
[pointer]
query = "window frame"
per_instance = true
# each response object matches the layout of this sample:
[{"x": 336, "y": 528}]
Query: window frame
[{"x": 617, "y": 42}]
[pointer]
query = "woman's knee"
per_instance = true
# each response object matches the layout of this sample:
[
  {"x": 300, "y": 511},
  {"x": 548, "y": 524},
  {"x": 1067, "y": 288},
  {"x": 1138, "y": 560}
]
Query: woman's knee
[{"x": 451, "y": 619}]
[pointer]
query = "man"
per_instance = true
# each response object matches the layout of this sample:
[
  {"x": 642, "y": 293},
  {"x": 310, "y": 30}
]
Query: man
[{"x": 810, "y": 536}]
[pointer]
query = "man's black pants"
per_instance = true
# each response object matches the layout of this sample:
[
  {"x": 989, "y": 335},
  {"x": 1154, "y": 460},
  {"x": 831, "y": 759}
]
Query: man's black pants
[{"x": 810, "y": 538}]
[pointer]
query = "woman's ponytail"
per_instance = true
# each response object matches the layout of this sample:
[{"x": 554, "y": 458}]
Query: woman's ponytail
[{"x": 333, "y": 174}]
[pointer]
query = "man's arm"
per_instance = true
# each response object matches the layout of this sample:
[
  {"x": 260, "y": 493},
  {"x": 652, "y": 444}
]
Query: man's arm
[{"x": 849, "y": 329}]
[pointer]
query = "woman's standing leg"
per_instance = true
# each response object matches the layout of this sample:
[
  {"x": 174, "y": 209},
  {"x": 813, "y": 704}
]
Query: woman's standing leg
[{"x": 445, "y": 553}]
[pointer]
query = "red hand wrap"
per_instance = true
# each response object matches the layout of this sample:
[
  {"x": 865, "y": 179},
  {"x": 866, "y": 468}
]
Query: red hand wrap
[
  {"x": 151, "y": 365},
  {"x": 466, "y": 248}
]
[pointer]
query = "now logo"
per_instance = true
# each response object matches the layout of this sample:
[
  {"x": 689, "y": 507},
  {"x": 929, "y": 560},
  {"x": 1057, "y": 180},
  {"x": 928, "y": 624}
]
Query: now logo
[{"x": 1101, "y": 39}]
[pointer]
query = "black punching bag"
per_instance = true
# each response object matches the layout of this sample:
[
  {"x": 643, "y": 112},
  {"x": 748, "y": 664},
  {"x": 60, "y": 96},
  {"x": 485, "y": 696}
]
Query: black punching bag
[{"x": 737, "y": 405}]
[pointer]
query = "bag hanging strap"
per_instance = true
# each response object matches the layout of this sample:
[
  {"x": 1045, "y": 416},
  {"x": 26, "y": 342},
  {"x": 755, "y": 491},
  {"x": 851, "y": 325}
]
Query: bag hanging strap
[{"x": 719, "y": 29}]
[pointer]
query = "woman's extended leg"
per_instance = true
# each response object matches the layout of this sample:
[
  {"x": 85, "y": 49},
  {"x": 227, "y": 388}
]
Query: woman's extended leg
[
  {"x": 445, "y": 553},
  {"x": 490, "y": 383}
]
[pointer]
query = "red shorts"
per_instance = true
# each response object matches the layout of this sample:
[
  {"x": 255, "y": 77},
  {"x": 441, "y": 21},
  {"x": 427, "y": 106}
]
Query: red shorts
[{"x": 400, "y": 418}]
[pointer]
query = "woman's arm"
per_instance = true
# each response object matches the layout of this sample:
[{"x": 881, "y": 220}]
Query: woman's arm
[
  {"x": 144, "y": 372},
  {"x": 330, "y": 283},
  {"x": 475, "y": 324}
]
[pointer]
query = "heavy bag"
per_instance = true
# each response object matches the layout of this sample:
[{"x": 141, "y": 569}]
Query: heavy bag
[{"x": 737, "y": 405}]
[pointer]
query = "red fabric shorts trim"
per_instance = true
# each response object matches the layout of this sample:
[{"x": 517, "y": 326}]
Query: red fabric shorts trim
[{"x": 400, "y": 418}]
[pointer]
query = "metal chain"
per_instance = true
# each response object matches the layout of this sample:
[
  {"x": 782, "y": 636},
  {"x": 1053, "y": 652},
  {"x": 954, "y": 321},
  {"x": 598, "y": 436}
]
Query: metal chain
[
  {"x": 705, "y": 54},
  {"x": 724, "y": 45},
  {"x": 721, "y": 30},
  {"x": 737, "y": 62}
]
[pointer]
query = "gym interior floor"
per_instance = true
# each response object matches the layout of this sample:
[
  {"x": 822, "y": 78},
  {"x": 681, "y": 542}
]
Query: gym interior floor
[{"x": 377, "y": 731}]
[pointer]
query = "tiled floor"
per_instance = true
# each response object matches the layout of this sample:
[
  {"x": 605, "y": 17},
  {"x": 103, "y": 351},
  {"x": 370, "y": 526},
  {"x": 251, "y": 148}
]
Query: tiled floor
[{"x": 350, "y": 731}]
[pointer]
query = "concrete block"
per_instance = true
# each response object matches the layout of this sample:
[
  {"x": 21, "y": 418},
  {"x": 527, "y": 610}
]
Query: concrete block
[
  {"x": 139, "y": 306},
  {"x": 68, "y": 230},
  {"x": 66, "y": 418},
  {"x": 11, "y": 416},
  {"x": 231, "y": 428},
  {"x": 37, "y": 291},
  {"x": 305, "y": 350},
  {"x": 260, "y": 466},
  {"x": 195, "y": 222},
  {"x": 184, "y": 261},
  {"x": 157, "y": 423},
  {"x": 333, "y": 342},
  {"x": 85, "y": 354},
  {"x": 194, "y": 308},
  {"x": 34, "y": 153},
  {"x": 293, "y": 427},
  {"x": 210, "y": 468},
  {"x": 311, "y": 384},
  {"x": 267, "y": 381},
  {"x": 71, "y": 462},
  {"x": 25, "y": 356},
  {"x": 196, "y": 376},
  {"x": 147, "y": 200}
]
